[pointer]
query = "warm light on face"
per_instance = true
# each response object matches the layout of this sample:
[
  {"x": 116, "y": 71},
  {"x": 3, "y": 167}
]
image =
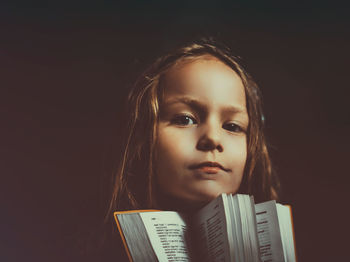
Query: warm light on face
[{"x": 201, "y": 147}]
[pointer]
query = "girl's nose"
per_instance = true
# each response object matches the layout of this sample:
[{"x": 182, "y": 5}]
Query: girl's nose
[{"x": 209, "y": 139}]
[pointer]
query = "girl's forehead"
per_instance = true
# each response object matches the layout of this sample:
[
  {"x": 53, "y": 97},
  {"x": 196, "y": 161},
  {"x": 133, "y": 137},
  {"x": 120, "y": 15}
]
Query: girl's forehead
[
  {"x": 208, "y": 80},
  {"x": 186, "y": 67},
  {"x": 204, "y": 71}
]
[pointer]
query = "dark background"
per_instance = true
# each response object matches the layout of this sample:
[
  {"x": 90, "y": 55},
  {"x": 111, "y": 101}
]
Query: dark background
[{"x": 65, "y": 71}]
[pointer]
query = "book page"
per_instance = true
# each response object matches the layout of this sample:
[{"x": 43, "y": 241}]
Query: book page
[
  {"x": 135, "y": 237},
  {"x": 235, "y": 235},
  {"x": 251, "y": 226},
  {"x": 268, "y": 232},
  {"x": 238, "y": 228},
  {"x": 212, "y": 226},
  {"x": 167, "y": 233},
  {"x": 286, "y": 228},
  {"x": 245, "y": 226}
]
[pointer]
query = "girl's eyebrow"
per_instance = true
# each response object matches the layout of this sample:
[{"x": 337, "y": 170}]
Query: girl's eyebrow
[
  {"x": 197, "y": 105},
  {"x": 193, "y": 103}
]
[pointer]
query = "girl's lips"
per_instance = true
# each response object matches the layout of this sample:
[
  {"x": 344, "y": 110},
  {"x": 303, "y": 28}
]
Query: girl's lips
[{"x": 209, "y": 167}]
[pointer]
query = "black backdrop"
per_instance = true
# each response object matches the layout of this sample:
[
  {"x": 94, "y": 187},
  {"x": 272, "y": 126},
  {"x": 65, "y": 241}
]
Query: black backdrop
[{"x": 65, "y": 71}]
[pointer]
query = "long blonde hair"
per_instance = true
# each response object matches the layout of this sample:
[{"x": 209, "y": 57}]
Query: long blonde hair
[{"x": 133, "y": 185}]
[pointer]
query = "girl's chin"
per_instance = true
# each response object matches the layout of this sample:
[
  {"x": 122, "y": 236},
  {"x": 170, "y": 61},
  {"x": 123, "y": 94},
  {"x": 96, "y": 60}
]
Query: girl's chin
[{"x": 184, "y": 203}]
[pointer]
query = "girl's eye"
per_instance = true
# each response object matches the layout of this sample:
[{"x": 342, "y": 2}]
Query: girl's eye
[
  {"x": 232, "y": 127},
  {"x": 183, "y": 120}
]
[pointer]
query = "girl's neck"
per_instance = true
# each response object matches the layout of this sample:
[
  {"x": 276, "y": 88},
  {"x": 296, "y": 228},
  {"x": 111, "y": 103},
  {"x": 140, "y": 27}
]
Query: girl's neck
[{"x": 165, "y": 202}]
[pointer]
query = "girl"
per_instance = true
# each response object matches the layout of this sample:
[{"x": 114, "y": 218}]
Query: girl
[{"x": 195, "y": 131}]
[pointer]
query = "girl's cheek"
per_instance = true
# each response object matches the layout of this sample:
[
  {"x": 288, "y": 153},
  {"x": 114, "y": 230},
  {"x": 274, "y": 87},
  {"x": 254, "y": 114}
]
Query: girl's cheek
[{"x": 236, "y": 147}]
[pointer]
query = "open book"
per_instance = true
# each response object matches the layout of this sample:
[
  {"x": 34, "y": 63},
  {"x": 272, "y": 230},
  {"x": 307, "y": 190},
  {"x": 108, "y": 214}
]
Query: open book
[{"x": 229, "y": 228}]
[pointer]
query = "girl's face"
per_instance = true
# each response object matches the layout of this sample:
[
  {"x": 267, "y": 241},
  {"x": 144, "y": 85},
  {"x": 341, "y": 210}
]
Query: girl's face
[{"x": 201, "y": 148}]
